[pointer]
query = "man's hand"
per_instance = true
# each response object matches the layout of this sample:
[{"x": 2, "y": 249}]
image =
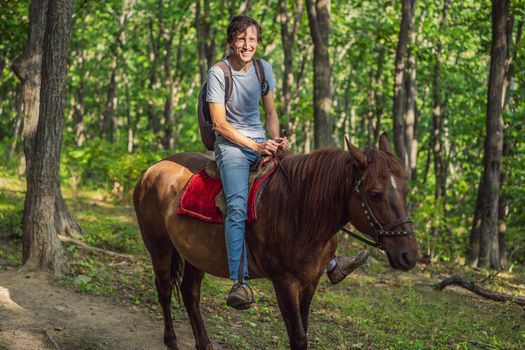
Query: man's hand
[
  {"x": 268, "y": 147},
  {"x": 283, "y": 142}
]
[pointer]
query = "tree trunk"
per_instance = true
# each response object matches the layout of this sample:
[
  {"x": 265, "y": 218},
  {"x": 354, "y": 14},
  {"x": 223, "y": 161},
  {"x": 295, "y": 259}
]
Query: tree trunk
[
  {"x": 319, "y": 21},
  {"x": 28, "y": 68},
  {"x": 65, "y": 224},
  {"x": 41, "y": 246},
  {"x": 399, "y": 127},
  {"x": 205, "y": 41},
  {"x": 437, "y": 129},
  {"x": 288, "y": 37},
  {"x": 19, "y": 107},
  {"x": 410, "y": 112},
  {"x": 489, "y": 248},
  {"x": 378, "y": 99},
  {"x": 108, "y": 124},
  {"x": 474, "y": 240},
  {"x": 129, "y": 119},
  {"x": 508, "y": 143},
  {"x": 168, "y": 141},
  {"x": 79, "y": 109},
  {"x": 153, "y": 119}
]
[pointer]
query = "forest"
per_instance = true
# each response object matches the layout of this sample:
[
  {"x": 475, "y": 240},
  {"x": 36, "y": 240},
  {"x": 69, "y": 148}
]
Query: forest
[{"x": 95, "y": 92}]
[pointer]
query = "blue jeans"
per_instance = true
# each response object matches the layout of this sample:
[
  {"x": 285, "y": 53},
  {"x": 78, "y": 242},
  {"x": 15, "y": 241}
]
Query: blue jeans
[{"x": 234, "y": 163}]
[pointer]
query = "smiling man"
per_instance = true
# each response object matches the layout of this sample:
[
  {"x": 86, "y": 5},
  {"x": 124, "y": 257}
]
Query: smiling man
[{"x": 241, "y": 138}]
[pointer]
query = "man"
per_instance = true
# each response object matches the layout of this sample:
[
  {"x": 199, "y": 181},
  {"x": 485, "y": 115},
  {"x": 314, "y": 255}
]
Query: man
[{"x": 241, "y": 139}]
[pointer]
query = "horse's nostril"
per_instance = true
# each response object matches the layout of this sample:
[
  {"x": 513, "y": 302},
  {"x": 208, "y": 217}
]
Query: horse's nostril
[{"x": 405, "y": 260}]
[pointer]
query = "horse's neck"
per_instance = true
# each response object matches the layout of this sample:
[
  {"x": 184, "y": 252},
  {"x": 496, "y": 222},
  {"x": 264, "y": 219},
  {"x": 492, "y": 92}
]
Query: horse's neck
[{"x": 322, "y": 203}]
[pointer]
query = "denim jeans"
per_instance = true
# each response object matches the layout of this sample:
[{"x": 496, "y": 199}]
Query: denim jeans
[{"x": 234, "y": 163}]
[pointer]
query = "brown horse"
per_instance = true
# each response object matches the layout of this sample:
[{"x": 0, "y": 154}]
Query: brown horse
[{"x": 293, "y": 238}]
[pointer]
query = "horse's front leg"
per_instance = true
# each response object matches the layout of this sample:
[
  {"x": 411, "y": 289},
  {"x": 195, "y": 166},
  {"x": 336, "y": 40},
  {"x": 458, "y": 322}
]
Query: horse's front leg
[
  {"x": 288, "y": 292},
  {"x": 305, "y": 301},
  {"x": 191, "y": 294}
]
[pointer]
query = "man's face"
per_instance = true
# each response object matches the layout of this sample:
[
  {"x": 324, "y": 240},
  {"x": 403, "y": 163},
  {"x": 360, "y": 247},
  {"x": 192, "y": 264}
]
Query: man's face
[{"x": 245, "y": 44}]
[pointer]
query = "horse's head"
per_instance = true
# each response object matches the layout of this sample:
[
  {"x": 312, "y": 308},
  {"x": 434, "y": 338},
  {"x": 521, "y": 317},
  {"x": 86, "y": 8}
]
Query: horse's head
[{"x": 377, "y": 206}]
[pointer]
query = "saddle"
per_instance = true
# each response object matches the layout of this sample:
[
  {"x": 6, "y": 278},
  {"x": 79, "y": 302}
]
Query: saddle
[{"x": 203, "y": 197}]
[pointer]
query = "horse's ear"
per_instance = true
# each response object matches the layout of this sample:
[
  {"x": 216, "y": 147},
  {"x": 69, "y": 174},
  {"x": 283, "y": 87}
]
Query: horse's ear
[
  {"x": 358, "y": 155},
  {"x": 384, "y": 144}
]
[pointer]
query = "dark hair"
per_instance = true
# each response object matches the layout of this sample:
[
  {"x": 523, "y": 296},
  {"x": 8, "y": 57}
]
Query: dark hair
[{"x": 239, "y": 24}]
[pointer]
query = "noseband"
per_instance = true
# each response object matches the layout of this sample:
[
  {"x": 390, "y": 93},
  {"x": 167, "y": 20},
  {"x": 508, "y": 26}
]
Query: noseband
[{"x": 378, "y": 229}]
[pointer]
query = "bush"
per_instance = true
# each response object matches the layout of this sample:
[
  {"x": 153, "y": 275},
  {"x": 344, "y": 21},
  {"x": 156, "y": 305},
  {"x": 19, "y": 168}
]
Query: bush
[
  {"x": 10, "y": 218},
  {"x": 102, "y": 164}
]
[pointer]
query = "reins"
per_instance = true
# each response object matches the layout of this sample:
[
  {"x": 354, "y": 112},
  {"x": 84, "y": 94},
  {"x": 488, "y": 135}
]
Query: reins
[
  {"x": 379, "y": 230},
  {"x": 282, "y": 169}
]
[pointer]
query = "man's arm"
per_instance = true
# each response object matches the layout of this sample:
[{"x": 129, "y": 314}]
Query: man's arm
[
  {"x": 272, "y": 120},
  {"x": 223, "y": 127},
  {"x": 270, "y": 112}
]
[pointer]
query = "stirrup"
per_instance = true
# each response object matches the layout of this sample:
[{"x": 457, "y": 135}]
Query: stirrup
[{"x": 240, "y": 297}]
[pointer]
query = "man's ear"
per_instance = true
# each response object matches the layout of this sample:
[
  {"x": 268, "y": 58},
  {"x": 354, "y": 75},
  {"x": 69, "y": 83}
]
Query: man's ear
[
  {"x": 358, "y": 155},
  {"x": 384, "y": 144}
]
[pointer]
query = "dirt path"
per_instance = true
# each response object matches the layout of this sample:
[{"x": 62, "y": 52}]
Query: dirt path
[{"x": 36, "y": 313}]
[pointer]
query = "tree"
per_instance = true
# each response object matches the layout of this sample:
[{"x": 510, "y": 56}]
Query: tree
[
  {"x": 288, "y": 35},
  {"x": 486, "y": 254},
  {"x": 319, "y": 21},
  {"x": 411, "y": 97},
  {"x": 509, "y": 143},
  {"x": 28, "y": 68},
  {"x": 41, "y": 247},
  {"x": 437, "y": 127},
  {"x": 399, "y": 126},
  {"x": 205, "y": 38},
  {"x": 107, "y": 123}
]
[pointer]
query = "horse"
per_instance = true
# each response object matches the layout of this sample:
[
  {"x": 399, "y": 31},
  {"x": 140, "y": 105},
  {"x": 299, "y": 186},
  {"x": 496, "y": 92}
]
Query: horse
[{"x": 299, "y": 213}]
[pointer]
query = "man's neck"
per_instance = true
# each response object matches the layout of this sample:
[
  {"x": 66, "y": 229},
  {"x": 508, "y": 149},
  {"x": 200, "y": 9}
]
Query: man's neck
[{"x": 238, "y": 65}]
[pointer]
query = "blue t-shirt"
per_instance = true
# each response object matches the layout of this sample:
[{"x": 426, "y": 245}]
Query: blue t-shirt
[{"x": 242, "y": 110}]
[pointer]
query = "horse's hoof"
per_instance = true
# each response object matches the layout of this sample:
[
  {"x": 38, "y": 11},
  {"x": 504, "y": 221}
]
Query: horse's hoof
[
  {"x": 204, "y": 347},
  {"x": 172, "y": 346}
]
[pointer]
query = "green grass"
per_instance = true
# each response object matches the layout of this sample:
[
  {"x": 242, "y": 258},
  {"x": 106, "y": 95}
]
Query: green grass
[{"x": 374, "y": 308}]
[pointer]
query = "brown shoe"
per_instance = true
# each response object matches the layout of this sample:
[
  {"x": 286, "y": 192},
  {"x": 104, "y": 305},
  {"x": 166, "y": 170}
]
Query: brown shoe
[
  {"x": 240, "y": 297},
  {"x": 345, "y": 266}
]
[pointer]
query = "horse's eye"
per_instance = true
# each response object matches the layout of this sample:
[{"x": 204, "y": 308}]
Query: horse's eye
[{"x": 375, "y": 195}]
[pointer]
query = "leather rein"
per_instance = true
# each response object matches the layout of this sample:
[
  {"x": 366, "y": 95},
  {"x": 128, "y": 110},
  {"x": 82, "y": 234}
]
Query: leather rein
[{"x": 379, "y": 229}]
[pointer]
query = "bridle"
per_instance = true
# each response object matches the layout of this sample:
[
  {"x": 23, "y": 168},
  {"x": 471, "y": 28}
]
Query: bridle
[{"x": 378, "y": 229}]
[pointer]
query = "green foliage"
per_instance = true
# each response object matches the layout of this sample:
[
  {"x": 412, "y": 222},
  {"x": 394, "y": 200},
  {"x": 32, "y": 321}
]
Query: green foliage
[
  {"x": 11, "y": 221},
  {"x": 100, "y": 162},
  {"x": 11, "y": 212}
]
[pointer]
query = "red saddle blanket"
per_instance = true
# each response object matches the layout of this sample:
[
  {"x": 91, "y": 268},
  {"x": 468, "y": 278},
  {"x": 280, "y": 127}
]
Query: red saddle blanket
[{"x": 198, "y": 197}]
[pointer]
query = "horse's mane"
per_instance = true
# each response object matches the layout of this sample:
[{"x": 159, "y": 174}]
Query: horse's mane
[{"x": 315, "y": 203}]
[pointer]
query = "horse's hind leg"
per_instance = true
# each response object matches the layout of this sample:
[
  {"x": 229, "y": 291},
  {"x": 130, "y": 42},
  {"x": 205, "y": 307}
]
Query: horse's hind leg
[
  {"x": 162, "y": 266},
  {"x": 191, "y": 294}
]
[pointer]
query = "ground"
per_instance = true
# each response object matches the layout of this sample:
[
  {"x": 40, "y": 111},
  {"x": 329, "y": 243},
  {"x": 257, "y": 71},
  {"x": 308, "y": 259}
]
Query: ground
[
  {"x": 108, "y": 300},
  {"x": 37, "y": 313}
]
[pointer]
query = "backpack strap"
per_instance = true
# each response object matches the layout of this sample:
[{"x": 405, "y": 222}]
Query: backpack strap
[
  {"x": 228, "y": 80},
  {"x": 259, "y": 71}
]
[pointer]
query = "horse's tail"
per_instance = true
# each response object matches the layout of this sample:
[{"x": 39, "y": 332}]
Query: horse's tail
[{"x": 177, "y": 265}]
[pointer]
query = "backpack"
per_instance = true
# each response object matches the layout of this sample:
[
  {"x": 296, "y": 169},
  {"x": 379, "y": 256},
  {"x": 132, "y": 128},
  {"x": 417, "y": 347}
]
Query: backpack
[{"x": 203, "y": 109}]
